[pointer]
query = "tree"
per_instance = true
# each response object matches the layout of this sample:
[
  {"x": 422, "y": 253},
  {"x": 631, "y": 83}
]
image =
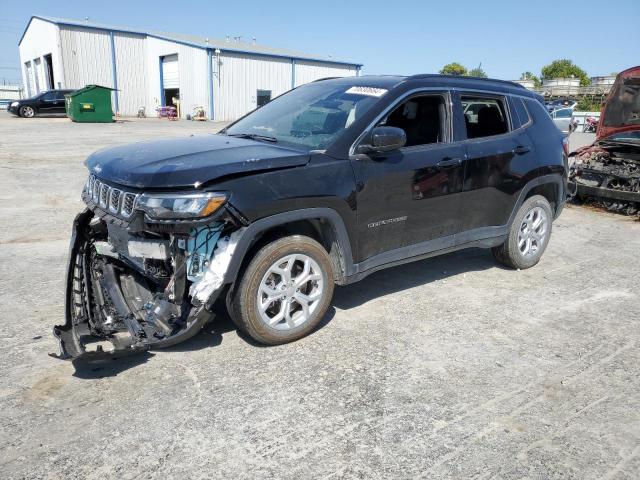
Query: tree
[
  {"x": 565, "y": 68},
  {"x": 588, "y": 105},
  {"x": 530, "y": 76},
  {"x": 453, "y": 69},
  {"x": 478, "y": 72}
]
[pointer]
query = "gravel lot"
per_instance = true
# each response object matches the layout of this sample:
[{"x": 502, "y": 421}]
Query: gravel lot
[{"x": 446, "y": 368}]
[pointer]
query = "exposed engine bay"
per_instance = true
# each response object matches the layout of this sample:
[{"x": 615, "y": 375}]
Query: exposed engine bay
[
  {"x": 608, "y": 174},
  {"x": 129, "y": 291}
]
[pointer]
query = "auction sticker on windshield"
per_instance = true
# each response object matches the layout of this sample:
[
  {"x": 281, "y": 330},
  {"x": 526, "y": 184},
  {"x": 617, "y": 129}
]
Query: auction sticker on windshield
[{"x": 370, "y": 91}]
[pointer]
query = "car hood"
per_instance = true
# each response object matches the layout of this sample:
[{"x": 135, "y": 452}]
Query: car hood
[
  {"x": 621, "y": 109},
  {"x": 188, "y": 162}
]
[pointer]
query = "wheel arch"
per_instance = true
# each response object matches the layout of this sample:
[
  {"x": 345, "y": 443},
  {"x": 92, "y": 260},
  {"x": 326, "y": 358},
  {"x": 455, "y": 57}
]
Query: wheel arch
[
  {"x": 551, "y": 186},
  {"x": 33, "y": 107},
  {"x": 324, "y": 225}
]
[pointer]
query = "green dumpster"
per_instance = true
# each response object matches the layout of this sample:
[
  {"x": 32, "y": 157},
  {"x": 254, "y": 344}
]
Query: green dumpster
[{"x": 90, "y": 104}]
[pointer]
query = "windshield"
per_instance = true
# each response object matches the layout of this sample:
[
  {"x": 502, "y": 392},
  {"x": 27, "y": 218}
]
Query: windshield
[
  {"x": 311, "y": 117},
  {"x": 625, "y": 137}
]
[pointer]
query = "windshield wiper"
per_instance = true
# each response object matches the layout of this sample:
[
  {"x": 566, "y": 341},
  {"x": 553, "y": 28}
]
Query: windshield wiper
[{"x": 254, "y": 136}]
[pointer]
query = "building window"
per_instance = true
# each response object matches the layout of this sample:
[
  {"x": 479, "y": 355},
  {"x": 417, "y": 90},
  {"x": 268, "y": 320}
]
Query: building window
[{"x": 263, "y": 97}]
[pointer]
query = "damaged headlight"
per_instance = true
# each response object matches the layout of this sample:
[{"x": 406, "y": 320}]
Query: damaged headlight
[{"x": 180, "y": 206}]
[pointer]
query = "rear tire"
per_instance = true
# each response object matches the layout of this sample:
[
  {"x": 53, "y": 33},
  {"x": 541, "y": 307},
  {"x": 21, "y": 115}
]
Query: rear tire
[
  {"x": 528, "y": 236},
  {"x": 285, "y": 291}
]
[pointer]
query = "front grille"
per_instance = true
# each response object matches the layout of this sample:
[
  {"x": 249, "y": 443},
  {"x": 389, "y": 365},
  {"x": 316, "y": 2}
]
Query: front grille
[
  {"x": 128, "y": 203},
  {"x": 114, "y": 200},
  {"x": 104, "y": 195}
]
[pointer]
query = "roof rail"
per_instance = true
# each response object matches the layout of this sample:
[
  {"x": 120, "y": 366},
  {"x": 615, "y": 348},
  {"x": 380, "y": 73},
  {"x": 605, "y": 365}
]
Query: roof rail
[
  {"x": 325, "y": 78},
  {"x": 421, "y": 76}
]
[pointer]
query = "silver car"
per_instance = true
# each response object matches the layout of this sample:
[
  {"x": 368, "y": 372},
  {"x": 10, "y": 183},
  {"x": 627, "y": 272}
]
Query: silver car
[{"x": 562, "y": 118}]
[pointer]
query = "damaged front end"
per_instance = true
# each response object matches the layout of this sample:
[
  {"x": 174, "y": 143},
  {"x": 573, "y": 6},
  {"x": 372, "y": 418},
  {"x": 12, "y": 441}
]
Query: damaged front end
[
  {"x": 608, "y": 175},
  {"x": 608, "y": 172},
  {"x": 136, "y": 281}
]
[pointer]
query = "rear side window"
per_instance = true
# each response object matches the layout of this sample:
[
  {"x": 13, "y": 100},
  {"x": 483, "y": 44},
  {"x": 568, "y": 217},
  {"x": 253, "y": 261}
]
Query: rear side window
[
  {"x": 521, "y": 111},
  {"x": 484, "y": 116}
]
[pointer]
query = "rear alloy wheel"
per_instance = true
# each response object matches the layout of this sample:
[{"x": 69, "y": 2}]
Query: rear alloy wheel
[
  {"x": 27, "y": 112},
  {"x": 528, "y": 236},
  {"x": 285, "y": 291}
]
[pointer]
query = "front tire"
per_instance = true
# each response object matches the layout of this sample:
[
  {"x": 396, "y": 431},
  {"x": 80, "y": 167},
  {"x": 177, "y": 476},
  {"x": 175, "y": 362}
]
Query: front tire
[
  {"x": 528, "y": 236},
  {"x": 285, "y": 291},
  {"x": 27, "y": 112}
]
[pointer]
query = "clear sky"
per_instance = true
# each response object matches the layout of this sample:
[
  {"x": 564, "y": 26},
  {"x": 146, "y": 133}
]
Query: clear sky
[{"x": 393, "y": 36}]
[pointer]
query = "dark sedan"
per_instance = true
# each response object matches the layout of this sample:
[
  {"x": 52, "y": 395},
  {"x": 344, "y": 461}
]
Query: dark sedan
[{"x": 51, "y": 101}]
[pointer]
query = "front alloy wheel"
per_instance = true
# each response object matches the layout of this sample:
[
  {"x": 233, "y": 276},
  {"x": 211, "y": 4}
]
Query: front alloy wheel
[
  {"x": 290, "y": 292},
  {"x": 285, "y": 291},
  {"x": 27, "y": 111}
]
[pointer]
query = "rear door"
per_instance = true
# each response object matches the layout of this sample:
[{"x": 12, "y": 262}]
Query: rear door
[
  {"x": 59, "y": 104},
  {"x": 498, "y": 155}
]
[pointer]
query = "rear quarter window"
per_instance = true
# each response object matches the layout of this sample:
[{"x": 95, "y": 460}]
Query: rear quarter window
[
  {"x": 521, "y": 112},
  {"x": 537, "y": 111}
]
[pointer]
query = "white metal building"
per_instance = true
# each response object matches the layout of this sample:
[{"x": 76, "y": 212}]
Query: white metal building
[{"x": 227, "y": 77}]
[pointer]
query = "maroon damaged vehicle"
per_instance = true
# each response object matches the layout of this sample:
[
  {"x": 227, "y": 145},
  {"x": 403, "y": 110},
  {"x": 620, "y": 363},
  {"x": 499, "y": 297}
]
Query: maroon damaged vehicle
[{"x": 608, "y": 171}]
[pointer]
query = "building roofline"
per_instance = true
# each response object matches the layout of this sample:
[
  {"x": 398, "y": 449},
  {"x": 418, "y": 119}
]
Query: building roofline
[{"x": 69, "y": 23}]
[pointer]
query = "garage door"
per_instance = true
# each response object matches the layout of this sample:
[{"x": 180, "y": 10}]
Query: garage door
[
  {"x": 31, "y": 85},
  {"x": 41, "y": 81},
  {"x": 170, "y": 72}
]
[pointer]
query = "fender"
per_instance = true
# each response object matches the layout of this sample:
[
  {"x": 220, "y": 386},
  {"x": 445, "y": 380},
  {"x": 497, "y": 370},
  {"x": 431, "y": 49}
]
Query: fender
[
  {"x": 553, "y": 178},
  {"x": 260, "y": 226}
]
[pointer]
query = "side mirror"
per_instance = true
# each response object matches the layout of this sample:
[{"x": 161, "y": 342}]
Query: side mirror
[{"x": 385, "y": 139}]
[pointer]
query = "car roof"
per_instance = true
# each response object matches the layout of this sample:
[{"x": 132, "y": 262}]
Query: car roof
[{"x": 434, "y": 80}]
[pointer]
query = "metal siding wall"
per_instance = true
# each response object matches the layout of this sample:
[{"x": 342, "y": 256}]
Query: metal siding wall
[
  {"x": 86, "y": 57},
  {"x": 132, "y": 72},
  {"x": 307, "y": 71},
  {"x": 194, "y": 79},
  {"x": 240, "y": 76}
]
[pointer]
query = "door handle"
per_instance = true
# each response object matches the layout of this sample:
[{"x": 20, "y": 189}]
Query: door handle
[
  {"x": 449, "y": 162},
  {"x": 519, "y": 150}
]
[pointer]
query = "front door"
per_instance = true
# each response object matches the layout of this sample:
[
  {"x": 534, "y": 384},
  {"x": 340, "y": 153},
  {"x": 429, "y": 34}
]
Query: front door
[
  {"x": 410, "y": 196},
  {"x": 48, "y": 103}
]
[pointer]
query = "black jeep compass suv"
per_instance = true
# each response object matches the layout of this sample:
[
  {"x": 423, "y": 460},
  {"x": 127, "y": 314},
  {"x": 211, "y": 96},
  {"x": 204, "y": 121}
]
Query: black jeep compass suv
[{"x": 323, "y": 185}]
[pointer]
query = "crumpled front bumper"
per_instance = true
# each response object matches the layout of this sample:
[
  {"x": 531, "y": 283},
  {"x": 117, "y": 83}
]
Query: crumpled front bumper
[{"x": 78, "y": 337}]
